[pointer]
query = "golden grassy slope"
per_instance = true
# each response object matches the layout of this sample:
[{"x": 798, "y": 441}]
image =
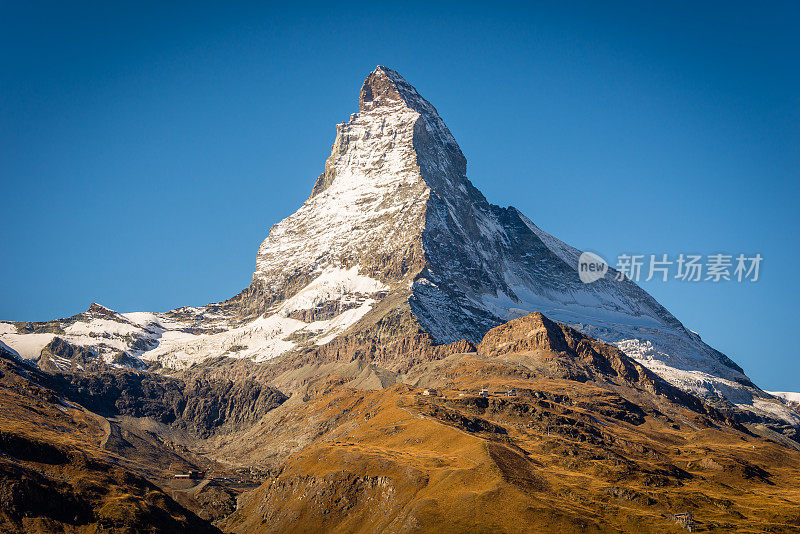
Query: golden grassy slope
[
  {"x": 611, "y": 451},
  {"x": 592, "y": 443},
  {"x": 399, "y": 462}
]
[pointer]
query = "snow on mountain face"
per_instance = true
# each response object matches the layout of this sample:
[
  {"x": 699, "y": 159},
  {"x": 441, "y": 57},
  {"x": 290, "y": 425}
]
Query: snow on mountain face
[
  {"x": 788, "y": 395},
  {"x": 188, "y": 335},
  {"x": 485, "y": 265},
  {"x": 394, "y": 214},
  {"x": 365, "y": 209},
  {"x": 791, "y": 398}
]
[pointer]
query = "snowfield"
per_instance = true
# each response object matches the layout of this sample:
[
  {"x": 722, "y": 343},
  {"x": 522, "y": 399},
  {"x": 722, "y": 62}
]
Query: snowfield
[
  {"x": 179, "y": 344},
  {"x": 786, "y": 395}
]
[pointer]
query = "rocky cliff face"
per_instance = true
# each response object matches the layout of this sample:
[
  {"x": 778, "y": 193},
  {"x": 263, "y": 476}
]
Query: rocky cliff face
[
  {"x": 393, "y": 227},
  {"x": 200, "y": 406}
]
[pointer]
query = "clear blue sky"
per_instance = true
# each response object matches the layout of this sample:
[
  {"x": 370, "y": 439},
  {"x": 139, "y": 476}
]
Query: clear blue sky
[{"x": 146, "y": 150}]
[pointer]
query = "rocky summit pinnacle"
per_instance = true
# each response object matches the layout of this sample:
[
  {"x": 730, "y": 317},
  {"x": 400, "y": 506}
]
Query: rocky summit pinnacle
[
  {"x": 396, "y": 247},
  {"x": 381, "y": 89}
]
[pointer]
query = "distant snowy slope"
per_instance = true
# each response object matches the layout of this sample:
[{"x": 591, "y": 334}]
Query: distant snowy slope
[{"x": 787, "y": 395}]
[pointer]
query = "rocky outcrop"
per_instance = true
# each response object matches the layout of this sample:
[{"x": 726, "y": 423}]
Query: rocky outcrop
[
  {"x": 60, "y": 356},
  {"x": 211, "y": 405},
  {"x": 200, "y": 406},
  {"x": 396, "y": 342},
  {"x": 572, "y": 355},
  {"x": 536, "y": 332}
]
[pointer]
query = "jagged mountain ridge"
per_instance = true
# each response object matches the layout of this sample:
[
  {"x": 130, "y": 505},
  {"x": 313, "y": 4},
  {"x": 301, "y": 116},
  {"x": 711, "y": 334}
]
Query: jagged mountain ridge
[{"x": 394, "y": 223}]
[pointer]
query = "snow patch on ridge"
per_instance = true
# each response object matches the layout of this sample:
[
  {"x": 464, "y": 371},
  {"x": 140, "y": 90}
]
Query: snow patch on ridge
[
  {"x": 7, "y": 328},
  {"x": 27, "y": 346},
  {"x": 566, "y": 252},
  {"x": 262, "y": 339},
  {"x": 90, "y": 328},
  {"x": 179, "y": 343},
  {"x": 333, "y": 285},
  {"x": 786, "y": 395}
]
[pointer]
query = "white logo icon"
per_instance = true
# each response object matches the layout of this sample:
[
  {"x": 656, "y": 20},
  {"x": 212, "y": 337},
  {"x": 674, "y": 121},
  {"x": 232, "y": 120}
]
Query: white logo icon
[{"x": 591, "y": 267}]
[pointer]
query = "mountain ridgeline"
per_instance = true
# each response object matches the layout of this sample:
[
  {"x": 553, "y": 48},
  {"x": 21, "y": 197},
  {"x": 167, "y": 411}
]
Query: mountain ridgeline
[
  {"x": 407, "y": 358},
  {"x": 395, "y": 239}
]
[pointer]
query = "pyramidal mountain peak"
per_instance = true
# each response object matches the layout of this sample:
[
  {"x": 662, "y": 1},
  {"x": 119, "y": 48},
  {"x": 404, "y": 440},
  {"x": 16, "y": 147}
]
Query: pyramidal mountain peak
[
  {"x": 395, "y": 249},
  {"x": 385, "y": 87}
]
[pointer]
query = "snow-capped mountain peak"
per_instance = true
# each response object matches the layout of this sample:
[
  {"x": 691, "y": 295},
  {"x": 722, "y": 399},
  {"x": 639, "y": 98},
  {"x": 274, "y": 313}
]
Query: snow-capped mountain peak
[{"x": 394, "y": 226}]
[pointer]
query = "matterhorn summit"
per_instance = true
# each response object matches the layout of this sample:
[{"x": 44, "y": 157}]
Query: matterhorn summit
[{"x": 395, "y": 249}]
